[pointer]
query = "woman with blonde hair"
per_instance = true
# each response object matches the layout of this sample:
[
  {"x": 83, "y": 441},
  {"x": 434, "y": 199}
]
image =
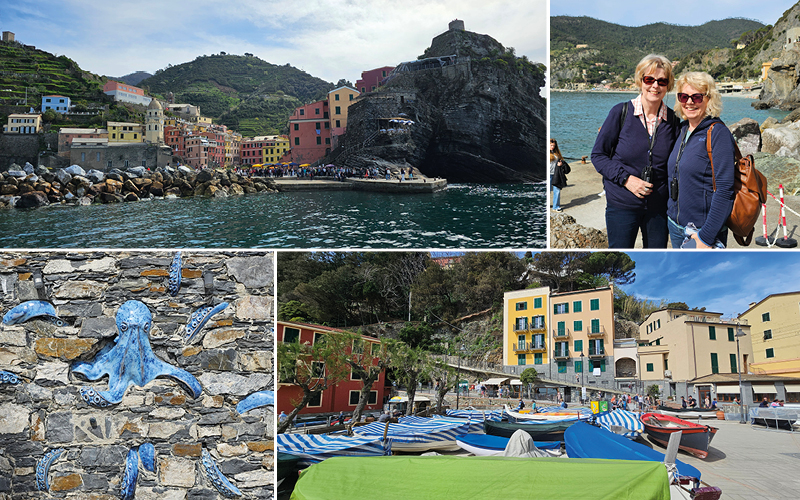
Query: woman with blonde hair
[
  {"x": 631, "y": 153},
  {"x": 701, "y": 197}
]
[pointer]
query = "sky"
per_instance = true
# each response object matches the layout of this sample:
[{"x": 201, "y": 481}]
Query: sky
[
  {"x": 725, "y": 282},
  {"x": 683, "y": 12},
  {"x": 330, "y": 39}
]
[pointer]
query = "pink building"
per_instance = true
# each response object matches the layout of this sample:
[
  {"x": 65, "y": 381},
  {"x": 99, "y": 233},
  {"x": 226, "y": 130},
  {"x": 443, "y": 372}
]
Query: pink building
[
  {"x": 126, "y": 93},
  {"x": 371, "y": 80},
  {"x": 65, "y": 136},
  {"x": 310, "y": 132},
  {"x": 197, "y": 151},
  {"x": 216, "y": 152},
  {"x": 174, "y": 137}
]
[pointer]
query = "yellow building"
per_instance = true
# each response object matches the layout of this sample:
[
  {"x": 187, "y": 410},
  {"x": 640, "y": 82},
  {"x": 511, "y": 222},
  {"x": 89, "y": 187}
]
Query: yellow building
[
  {"x": 775, "y": 323},
  {"x": 23, "y": 124},
  {"x": 525, "y": 327},
  {"x": 125, "y": 132},
  {"x": 275, "y": 146}
]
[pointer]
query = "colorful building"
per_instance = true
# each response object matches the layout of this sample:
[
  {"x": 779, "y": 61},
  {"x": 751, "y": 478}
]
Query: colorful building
[
  {"x": 310, "y": 132},
  {"x": 125, "y": 132},
  {"x": 339, "y": 101},
  {"x": 154, "y": 123},
  {"x": 341, "y": 398},
  {"x": 371, "y": 80},
  {"x": 264, "y": 149},
  {"x": 57, "y": 103},
  {"x": 67, "y": 135},
  {"x": 126, "y": 93},
  {"x": 775, "y": 325},
  {"x": 23, "y": 124},
  {"x": 525, "y": 328},
  {"x": 197, "y": 151}
]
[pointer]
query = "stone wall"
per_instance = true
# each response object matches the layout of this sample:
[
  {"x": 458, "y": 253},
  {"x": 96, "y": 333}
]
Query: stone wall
[
  {"x": 18, "y": 148},
  {"x": 231, "y": 357}
]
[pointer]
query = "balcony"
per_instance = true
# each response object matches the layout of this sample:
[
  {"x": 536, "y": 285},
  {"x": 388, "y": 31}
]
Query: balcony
[
  {"x": 561, "y": 354},
  {"x": 561, "y": 334},
  {"x": 529, "y": 347},
  {"x": 523, "y": 328},
  {"x": 597, "y": 353},
  {"x": 597, "y": 334}
]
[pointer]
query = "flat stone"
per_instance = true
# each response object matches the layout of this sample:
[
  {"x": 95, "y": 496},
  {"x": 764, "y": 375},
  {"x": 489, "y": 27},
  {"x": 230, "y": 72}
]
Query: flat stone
[
  {"x": 187, "y": 450},
  {"x": 231, "y": 383},
  {"x": 37, "y": 428},
  {"x": 59, "y": 427},
  {"x": 100, "y": 327},
  {"x": 167, "y": 413},
  {"x": 164, "y": 430},
  {"x": 103, "y": 456},
  {"x": 254, "y": 478},
  {"x": 160, "y": 494},
  {"x": 12, "y": 262},
  {"x": 58, "y": 266},
  {"x": 256, "y": 361},
  {"x": 191, "y": 350},
  {"x": 39, "y": 393},
  {"x": 134, "y": 427},
  {"x": 218, "y": 360},
  {"x": 205, "y": 431},
  {"x": 252, "y": 272},
  {"x": 81, "y": 290},
  {"x": 155, "y": 272},
  {"x": 216, "y": 338},
  {"x": 13, "y": 418},
  {"x": 13, "y": 337},
  {"x": 84, "y": 310},
  {"x": 53, "y": 371},
  {"x": 176, "y": 471},
  {"x": 231, "y": 450},
  {"x": 254, "y": 307},
  {"x": 103, "y": 265},
  {"x": 268, "y": 462},
  {"x": 64, "y": 483},
  {"x": 12, "y": 356},
  {"x": 63, "y": 348},
  {"x": 213, "y": 401},
  {"x": 260, "y": 446}
]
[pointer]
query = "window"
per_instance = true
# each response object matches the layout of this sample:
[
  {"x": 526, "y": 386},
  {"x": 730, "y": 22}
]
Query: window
[
  {"x": 597, "y": 363},
  {"x": 327, "y": 125},
  {"x": 83, "y": 155},
  {"x": 650, "y": 367},
  {"x": 521, "y": 342},
  {"x": 537, "y": 358},
  {"x": 316, "y": 400},
  {"x": 596, "y": 348},
  {"x": 595, "y": 326},
  {"x": 578, "y": 345},
  {"x": 336, "y": 97},
  {"x": 521, "y": 324},
  {"x": 371, "y": 399},
  {"x": 358, "y": 346},
  {"x": 317, "y": 126},
  {"x": 296, "y": 141},
  {"x": 594, "y": 304},
  {"x": 561, "y": 329},
  {"x": 537, "y": 303},
  {"x": 731, "y": 336},
  {"x": 338, "y": 123},
  {"x": 770, "y": 353},
  {"x": 114, "y": 136},
  {"x": 577, "y": 306},
  {"x": 562, "y": 367},
  {"x": 351, "y": 96},
  {"x": 98, "y": 157},
  {"x": 354, "y": 375},
  {"x": 319, "y": 140},
  {"x": 538, "y": 341},
  {"x": 714, "y": 363},
  {"x": 302, "y": 112},
  {"x": 520, "y": 359},
  {"x": 765, "y": 317},
  {"x": 712, "y": 334},
  {"x": 327, "y": 139},
  {"x": 733, "y": 363},
  {"x": 578, "y": 366},
  {"x": 318, "y": 337},
  {"x": 562, "y": 349},
  {"x": 296, "y": 126},
  {"x": 338, "y": 109},
  {"x": 767, "y": 334},
  {"x": 561, "y": 308},
  {"x": 577, "y": 326},
  {"x": 658, "y": 323},
  {"x": 109, "y": 163},
  {"x": 521, "y": 306},
  {"x": 666, "y": 364},
  {"x": 537, "y": 322},
  {"x": 317, "y": 369},
  {"x": 291, "y": 335}
]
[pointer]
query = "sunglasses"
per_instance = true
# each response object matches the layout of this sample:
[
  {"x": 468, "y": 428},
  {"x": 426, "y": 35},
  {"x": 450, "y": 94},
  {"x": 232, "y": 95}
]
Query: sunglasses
[
  {"x": 662, "y": 82},
  {"x": 696, "y": 98}
]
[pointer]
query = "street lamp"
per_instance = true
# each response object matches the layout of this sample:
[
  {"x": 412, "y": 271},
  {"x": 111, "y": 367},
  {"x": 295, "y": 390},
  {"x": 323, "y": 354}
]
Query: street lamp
[
  {"x": 740, "y": 333},
  {"x": 583, "y": 369}
]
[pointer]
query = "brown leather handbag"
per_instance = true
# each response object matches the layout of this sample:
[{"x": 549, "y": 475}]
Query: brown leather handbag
[{"x": 750, "y": 192}]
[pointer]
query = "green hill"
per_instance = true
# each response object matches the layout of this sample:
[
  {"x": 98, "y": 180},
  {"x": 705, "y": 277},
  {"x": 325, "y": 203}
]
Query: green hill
[
  {"x": 613, "y": 50},
  {"x": 242, "y": 92}
]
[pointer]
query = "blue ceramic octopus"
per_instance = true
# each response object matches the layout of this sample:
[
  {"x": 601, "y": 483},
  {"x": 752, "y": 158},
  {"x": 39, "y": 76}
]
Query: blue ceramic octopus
[
  {"x": 130, "y": 360},
  {"x": 256, "y": 400},
  {"x": 175, "y": 275},
  {"x": 43, "y": 468},
  {"x": 217, "y": 478},
  {"x": 127, "y": 488},
  {"x": 32, "y": 309},
  {"x": 199, "y": 318}
]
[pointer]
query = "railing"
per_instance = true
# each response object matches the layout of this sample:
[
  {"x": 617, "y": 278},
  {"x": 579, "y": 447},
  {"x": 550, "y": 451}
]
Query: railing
[
  {"x": 523, "y": 328},
  {"x": 529, "y": 347},
  {"x": 561, "y": 354},
  {"x": 561, "y": 334},
  {"x": 596, "y": 353},
  {"x": 595, "y": 334}
]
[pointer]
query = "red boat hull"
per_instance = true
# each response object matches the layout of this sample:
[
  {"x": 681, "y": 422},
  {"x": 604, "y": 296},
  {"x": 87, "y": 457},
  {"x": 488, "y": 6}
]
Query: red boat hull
[{"x": 695, "y": 438}]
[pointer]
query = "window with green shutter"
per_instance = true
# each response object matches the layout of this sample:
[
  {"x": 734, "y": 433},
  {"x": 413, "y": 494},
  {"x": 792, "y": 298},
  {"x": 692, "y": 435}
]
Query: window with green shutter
[
  {"x": 520, "y": 359},
  {"x": 714, "y": 363},
  {"x": 577, "y": 325},
  {"x": 731, "y": 337},
  {"x": 666, "y": 364},
  {"x": 594, "y": 304},
  {"x": 733, "y": 364},
  {"x": 562, "y": 308},
  {"x": 577, "y": 306},
  {"x": 522, "y": 306},
  {"x": 562, "y": 329},
  {"x": 650, "y": 367},
  {"x": 712, "y": 333},
  {"x": 537, "y": 358},
  {"x": 537, "y": 303},
  {"x": 291, "y": 335},
  {"x": 765, "y": 316},
  {"x": 770, "y": 353},
  {"x": 595, "y": 326},
  {"x": 578, "y": 346},
  {"x": 562, "y": 367},
  {"x": 578, "y": 366}
]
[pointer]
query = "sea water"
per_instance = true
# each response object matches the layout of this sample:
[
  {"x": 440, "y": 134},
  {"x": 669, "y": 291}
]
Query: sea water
[
  {"x": 469, "y": 216},
  {"x": 575, "y": 117}
]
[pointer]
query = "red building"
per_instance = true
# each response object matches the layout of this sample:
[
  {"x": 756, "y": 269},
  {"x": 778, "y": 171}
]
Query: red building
[
  {"x": 344, "y": 396},
  {"x": 216, "y": 139},
  {"x": 310, "y": 132},
  {"x": 174, "y": 138},
  {"x": 371, "y": 80}
]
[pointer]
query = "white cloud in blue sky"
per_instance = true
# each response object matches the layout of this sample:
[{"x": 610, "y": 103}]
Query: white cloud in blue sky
[
  {"x": 330, "y": 39},
  {"x": 725, "y": 282},
  {"x": 683, "y": 12}
]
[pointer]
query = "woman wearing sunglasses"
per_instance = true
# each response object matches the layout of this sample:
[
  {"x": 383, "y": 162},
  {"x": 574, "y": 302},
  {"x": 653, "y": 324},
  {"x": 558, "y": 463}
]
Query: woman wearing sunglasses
[
  {"x": 694, "y": 201},
  {"x": 631, "y": 153}
]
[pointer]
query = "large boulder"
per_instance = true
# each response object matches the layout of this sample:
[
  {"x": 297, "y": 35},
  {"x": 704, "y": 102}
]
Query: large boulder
[
  {"x": 95, "y": 175},
  {"x": 137, "y": 171},
  {"x": 786, "y": 137},
  {"x": 205, "y": 175},
  {"x": 19, "y": 174},
  {"x": 63, "y": 176},
  {"x": 32, "y": 199},
  {"x": 565, "y": 232},
  {"x": 747, "y": 135},
  {"x": 184, "y": 169},
  {"x": 28, "y": 168},
  {"x": 75, "y": 170}
]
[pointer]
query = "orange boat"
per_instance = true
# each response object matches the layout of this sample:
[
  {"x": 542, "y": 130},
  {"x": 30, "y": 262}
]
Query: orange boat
[{"x": 695, "y": 438}]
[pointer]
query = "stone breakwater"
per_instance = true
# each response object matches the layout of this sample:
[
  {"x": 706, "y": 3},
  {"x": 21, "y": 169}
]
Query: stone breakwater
[
  {"x": 231, "y": 358},
  {"x": 30, "y": 186}
]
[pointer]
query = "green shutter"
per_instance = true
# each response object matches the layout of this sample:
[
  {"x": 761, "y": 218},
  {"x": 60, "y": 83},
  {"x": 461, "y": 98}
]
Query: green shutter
[
  {"x": 577, "y": 325},
  {"x": 594, "y": 304},
  {"x": 577, "y": 306},
  {"x": 731, "y": 337},
  {"x": 537, "y": 303},
  {"x": 733, "y": 364},
  {"x": 578, "y": 366},
  {"x": 712, "y": 333},
  {"x": 714, "y": 363},
  {"x": 578, "y": 346},
  {"x": 561, "y": 328},
  {"x": 562, "y": 367},
  {"x": 537, "y": 358},
  {"x": 520, "y": 359},
  {"x": 595, "y": 326},
  {"x": 650, "y": 367}
]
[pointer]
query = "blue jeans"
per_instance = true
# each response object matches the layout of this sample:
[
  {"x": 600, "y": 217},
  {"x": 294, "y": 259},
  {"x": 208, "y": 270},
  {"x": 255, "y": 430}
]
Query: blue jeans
[
  {"x": 624, "y": 224},
  {"x": 556, "y": 195},
  {"x": 677, "y": 234}
]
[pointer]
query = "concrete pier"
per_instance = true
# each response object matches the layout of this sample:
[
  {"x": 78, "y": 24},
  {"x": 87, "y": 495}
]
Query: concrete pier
[{"x": 418, "y": 185}]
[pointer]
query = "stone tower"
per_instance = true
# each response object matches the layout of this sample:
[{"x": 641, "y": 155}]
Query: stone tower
[
  {"x": 154, "y": 123},
  {"x": 456, "y": 25}
]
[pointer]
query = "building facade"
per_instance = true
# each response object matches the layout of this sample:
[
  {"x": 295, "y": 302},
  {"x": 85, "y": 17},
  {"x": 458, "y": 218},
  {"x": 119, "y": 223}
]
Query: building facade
[
  {"x": 125, "y": 132},
  {"x": 67, "y": 135},
  {"x": 57, "y": 103},
  {"x": 23, "y": 124},
  {"x": 371, "y": 80},
  {"x": 126, "y": 93},
  {"x": 525, "y": 323},
  {"x": 339, "y": 101},
  {"x": 154, "y": 123},
  {"x": 343, "y": 397},
  {"x": 775, "y": 325},
  {"x": 310, "y": 132},
  {"x": 101, "y": 155}
]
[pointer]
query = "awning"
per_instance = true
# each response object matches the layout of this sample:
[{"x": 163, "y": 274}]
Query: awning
[
  {"x": 764, "y": 389},
  {"x": 516, "y": 382},
  {"x": 496, "y": 381},
  {"x": 727, "y": 389},
  {"x": 792, "y": 387}
]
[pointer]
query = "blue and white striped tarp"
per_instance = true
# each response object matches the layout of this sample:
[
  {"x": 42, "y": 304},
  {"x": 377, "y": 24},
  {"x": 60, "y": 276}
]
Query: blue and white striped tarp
[
  {"x": 583, "y": 412},
  {"x": 316, "y": 448},
  {"x": 475, "y": 425},
  {"x": 419, "y": 433},
  {"x": 622, "y": 418},
  {"x": 493, "y": 415}
]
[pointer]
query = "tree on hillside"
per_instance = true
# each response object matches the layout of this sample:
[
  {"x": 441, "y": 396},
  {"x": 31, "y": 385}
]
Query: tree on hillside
[
  {"x": 434, "y": 294},
  {"x": 481, "y": 278},
  {"x": 312, "y": 368},
  {"x": 411, "y": 365},
  {"x": 446, "y": 377},
  {"x": 367, "y": 360},
  {"x": 682, "y": 306},
  {"x": 616, "y": 267},
  {"x": 558, "y": 270}
]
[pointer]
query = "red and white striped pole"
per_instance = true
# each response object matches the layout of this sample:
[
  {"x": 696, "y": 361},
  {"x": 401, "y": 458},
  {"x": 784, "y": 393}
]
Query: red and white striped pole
[
  {"x": 763, "y": 240},
  {"x": 785, "y": 242}
]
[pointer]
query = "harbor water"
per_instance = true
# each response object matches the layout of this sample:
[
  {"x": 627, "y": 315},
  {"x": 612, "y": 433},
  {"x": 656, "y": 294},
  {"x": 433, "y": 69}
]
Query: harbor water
[
  {"x": 471, "y": 216},
  {"x": 575, "y": 117}
]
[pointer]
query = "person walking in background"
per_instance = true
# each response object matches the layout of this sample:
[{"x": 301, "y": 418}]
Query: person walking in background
[
  {"x": 631, "y": 153},
  {"x": 558, "y": 174},
  {"x": 701, "y": 197}
]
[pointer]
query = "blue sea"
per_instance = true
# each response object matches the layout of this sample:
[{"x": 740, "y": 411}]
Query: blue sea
[{"x": 575, "y": 117}]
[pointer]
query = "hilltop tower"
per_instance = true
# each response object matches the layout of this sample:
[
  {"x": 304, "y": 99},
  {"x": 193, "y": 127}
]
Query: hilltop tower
[{"x": 154, "y": 121}]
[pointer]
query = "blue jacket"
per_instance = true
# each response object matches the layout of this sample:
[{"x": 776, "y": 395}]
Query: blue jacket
[
  {"x": 697, "y": 202},
  {"x": 631, "y": 156}
]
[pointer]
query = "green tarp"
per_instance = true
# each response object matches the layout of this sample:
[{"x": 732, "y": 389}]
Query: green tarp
[{"x": 481, "y": 478}]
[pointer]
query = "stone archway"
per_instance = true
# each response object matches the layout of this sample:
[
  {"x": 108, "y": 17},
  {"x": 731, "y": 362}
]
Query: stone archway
[{"x": 625, "y": 368}]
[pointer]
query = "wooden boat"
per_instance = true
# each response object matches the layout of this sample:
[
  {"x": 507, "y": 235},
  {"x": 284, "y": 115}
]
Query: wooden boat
[
  {"x": 549, "y": 414},
  {"x": 694, "y": 439},
  {"x": 539, "y": 431},
  {"x": 484, "y": 445}
]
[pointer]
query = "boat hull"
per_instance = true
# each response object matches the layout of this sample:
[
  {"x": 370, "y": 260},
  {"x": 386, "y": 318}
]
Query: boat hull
[
  {"x": 484, "y": 445},
  {"x": 695, "y": 438},
  {"x": 539, "y": 431}
]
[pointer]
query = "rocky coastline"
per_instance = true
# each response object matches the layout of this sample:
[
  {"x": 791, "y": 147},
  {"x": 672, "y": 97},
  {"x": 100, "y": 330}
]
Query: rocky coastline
[{"x": 29, "y": 186}]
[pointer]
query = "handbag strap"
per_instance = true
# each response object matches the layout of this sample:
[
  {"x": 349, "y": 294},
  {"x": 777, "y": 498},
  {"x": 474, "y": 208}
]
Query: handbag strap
[{"x": 711, "y": 158}]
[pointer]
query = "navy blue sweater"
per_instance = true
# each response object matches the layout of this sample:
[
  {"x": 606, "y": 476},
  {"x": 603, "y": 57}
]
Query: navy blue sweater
[
  {"x": 697, "y": 201},
  {"x": 630, "y": 158}
]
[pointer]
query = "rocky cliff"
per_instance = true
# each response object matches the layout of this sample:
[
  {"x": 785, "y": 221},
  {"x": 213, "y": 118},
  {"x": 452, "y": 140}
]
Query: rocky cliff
[{"x": 477, "y": 116}]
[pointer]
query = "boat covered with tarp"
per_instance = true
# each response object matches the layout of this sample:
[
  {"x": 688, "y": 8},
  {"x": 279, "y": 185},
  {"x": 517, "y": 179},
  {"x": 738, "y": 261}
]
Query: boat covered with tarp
[
  {"x": 313, "y": 448},
  {"x": 475, "y": 424},
  {"x": 485, "y": 445},
  {"x": 623, "y": 422},
  {"x": 549, "y": 413},
  {"x": 779, "y": 418},
  {"x": 695, "y": 438},
  {"x": 481, "y": 478},
  {"x": 538, "y": 430},
  {"x": 496, "y": 415},
  {"x": 424, "y": 435},
  {"x": 584, "y": 440}
]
